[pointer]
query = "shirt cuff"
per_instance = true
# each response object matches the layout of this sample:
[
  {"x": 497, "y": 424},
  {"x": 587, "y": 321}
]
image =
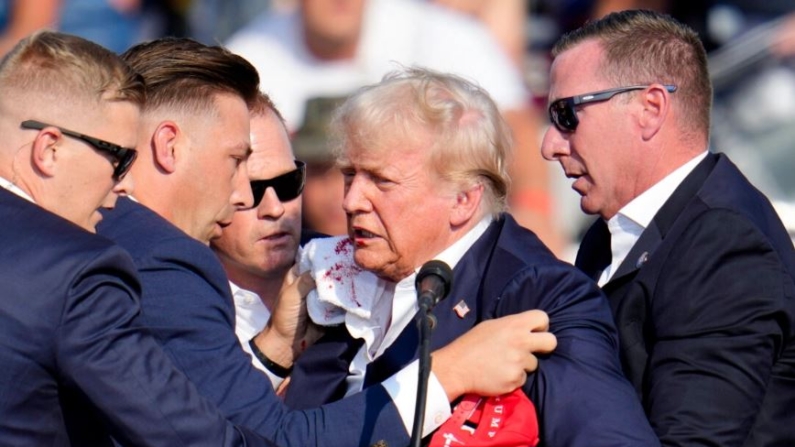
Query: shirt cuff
[
  {"x": 275, "y": 380},
  {"x": 402, "y": 387}
]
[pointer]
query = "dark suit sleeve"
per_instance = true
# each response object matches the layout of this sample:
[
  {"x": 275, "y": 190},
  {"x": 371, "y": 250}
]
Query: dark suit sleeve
[
  {"x": 192, "y": 317},
  {"x": 120, "y": 369},
  {"x": 581, "y": 394},
  {"x": 717, "y": 318}
]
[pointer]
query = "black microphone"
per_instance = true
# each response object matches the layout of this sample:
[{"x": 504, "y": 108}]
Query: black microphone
[{"x": 433, "y": 283}]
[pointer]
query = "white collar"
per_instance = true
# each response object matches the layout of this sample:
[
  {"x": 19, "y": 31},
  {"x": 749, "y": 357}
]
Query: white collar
[
  {"x": 7, "y": 184},
  {"x": 631, "y": 220},
  {"x": 452, "y": 254},
  {"x": 644, "y": 207},
  {"x": 401, "y": 307}
]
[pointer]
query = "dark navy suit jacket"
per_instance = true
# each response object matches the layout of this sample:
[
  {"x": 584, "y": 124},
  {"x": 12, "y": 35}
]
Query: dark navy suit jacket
[
  {"x": 187, "y": 304},
  {"x": 74, "y": 369},
  {"x": 581, "y": 395},
  {"x": 705, "y": 308}
]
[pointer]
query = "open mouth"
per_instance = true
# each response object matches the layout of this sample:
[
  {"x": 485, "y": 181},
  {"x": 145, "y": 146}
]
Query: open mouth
[{"x": 362, "y": 234}]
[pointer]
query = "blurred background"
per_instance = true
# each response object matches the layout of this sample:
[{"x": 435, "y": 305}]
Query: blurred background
[{"x": 751, "y": 46}]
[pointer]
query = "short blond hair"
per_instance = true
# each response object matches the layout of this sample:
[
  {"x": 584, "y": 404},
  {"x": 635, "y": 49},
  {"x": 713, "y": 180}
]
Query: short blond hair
[
  {"x": 61, "y": 65},
  {"x": 471, "y": 141},
  {"x": 643, "y": 47}
]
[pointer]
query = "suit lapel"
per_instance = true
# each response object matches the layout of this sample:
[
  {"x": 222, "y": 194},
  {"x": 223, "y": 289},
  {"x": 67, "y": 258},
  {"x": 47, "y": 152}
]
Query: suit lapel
[
  {"x": 454, "y": 315},
  {"x": 319, "y": 375},
  {"x": 653, "y": 235},
  {"x": 630, "y": 304},
  {"x": 640, "y": 252}
]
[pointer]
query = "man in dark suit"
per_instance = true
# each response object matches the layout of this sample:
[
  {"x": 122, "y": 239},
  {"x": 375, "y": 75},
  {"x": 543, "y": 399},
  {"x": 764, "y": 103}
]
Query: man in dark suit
[
  {"x": 425, "y": 158},
  {"x": 76, "y": 367},
  {"x": 694, "y": 260},
  {"x": 190, "y": 179}
]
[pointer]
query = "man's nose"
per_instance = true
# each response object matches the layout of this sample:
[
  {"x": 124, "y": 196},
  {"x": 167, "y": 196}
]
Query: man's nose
[
  {"x": 271, "y": 205},
  {"x": 125, "y": 186},
  {"x": 242, "y": 197},
  {"x": 554, "y": 145},
  {"x": 355, "y": 199}
]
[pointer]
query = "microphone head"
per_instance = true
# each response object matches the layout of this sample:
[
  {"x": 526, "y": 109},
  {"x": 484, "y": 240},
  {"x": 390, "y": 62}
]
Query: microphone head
[{"x": 439, "y": 269}]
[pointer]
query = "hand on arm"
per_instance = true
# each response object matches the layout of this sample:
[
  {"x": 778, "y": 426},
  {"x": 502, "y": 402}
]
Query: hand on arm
[{"x": 495, "y": 356}]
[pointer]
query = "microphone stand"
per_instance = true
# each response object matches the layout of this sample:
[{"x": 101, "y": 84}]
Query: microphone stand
[
  {"x": 433, "y": 284},
  {"x": 426, "y": 322}
]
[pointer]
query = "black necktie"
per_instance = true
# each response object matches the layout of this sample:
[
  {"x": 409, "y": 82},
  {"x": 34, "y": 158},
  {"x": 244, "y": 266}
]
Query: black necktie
[{"x": 595, "y": 252}]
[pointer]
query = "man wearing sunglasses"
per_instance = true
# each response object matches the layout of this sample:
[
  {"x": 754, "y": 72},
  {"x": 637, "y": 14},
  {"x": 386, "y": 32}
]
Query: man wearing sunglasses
[
  {"x": 191, "y": 176},
  {"x": 77, "y": 369},
  {"x": 193, "y": 144},
  {"x": 698, "y": 268},
  {"x": 258, "y": 248},
  {"x": 424, "y": 156}
]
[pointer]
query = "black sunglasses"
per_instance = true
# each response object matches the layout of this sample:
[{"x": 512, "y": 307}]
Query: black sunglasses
[
  {"x": 563, "y": 114},
  {"x": 124, "y": 156},
  {"x": 287, "y": 186}
]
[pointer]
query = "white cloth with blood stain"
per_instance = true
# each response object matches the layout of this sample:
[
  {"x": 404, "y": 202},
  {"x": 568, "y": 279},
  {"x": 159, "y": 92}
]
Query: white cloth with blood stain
[{"x": 342, "y": 287}]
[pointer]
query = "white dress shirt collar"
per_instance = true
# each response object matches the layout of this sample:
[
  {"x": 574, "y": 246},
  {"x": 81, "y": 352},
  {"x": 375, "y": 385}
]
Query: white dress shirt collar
[
  {"x": 391, "y": 314},
  {"x": 631, "y": 220},
  {"x": 396, "y": 308},
  {"x": 7, "y": 184}
]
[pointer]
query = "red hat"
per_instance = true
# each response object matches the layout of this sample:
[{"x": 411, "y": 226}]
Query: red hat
[{"x": 505, "y": 421}]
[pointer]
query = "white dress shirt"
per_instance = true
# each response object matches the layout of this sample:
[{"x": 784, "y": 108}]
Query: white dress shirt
[
  {"x": 400, "y": 311},
  {"x": 7, "y": 184},
  {"x": 630, "y": 222},
  {"x": 251, "y": 316}
]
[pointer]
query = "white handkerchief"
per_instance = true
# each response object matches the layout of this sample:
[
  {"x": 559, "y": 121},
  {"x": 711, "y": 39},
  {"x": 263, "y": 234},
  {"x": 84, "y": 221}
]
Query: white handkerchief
[{"x": 341, "y": 285}]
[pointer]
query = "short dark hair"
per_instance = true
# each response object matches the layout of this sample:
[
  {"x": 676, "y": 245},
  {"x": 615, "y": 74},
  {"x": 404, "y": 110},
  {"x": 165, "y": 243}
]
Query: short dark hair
[
  {"x": 642, "y": 47},
  {"x": 184, "y": 74},
  {"x": 262, "y": 105}
]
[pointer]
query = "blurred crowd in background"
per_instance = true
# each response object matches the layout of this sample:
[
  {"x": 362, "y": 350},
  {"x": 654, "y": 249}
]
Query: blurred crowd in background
[{"x": 752, "y": 63}]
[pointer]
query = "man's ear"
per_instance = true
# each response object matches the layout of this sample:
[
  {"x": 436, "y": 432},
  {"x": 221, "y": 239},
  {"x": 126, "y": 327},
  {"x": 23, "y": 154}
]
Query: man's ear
[
  {"x": 467, "y": 203},
  {"x": 656, "y": 105},
  {"x": 44, "y": 151},
  {"x": 164, "y": 145}
]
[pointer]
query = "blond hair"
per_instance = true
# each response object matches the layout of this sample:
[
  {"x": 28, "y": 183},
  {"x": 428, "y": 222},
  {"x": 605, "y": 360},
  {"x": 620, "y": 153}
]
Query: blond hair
[
  {"x": 60, "y": 65},
  {"x": 471, "y": 143}
]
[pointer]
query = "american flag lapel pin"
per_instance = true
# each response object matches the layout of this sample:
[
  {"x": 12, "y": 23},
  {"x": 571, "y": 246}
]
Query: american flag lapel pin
[{"x": 461, "y": 309}]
